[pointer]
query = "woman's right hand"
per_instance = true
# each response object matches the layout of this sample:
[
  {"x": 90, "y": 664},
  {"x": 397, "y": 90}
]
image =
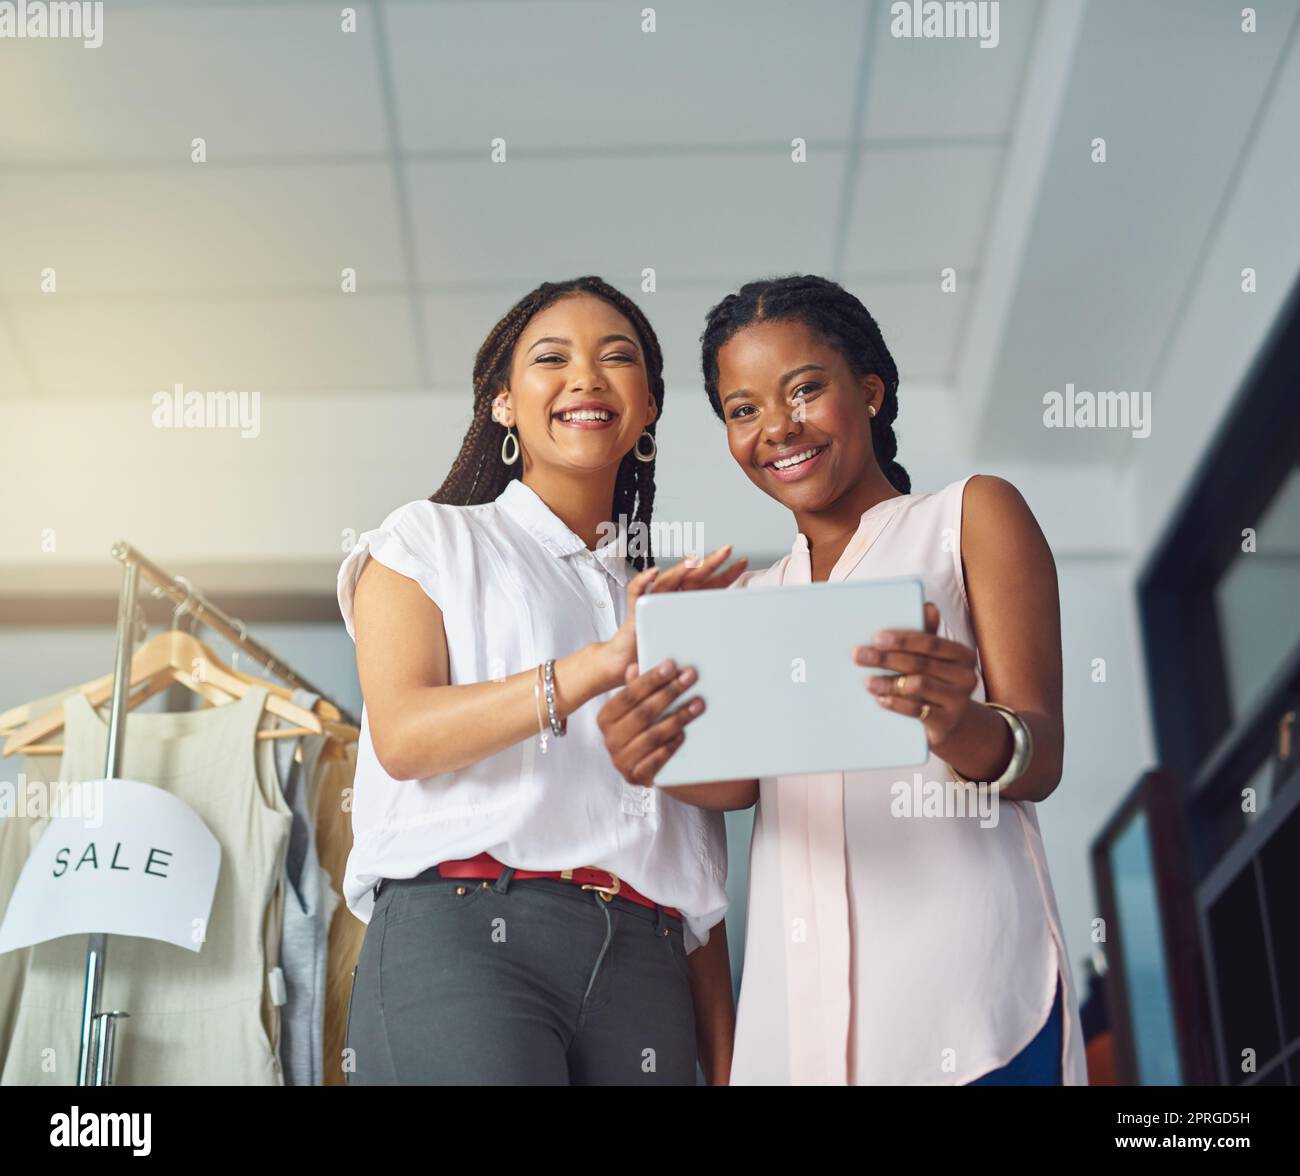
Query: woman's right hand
[
  {"x": 638, "y": 740},
  {"x": 692, "y": 574},
  {"x": 637, "y": 736}
]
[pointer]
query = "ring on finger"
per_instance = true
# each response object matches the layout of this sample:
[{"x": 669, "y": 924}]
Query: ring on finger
[
  {"x": 925, "y": 710},
  {"x": 900, "y": 683}
]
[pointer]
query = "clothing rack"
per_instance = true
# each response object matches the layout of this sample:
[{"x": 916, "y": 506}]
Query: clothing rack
[{"x": 95, "y": 1062}]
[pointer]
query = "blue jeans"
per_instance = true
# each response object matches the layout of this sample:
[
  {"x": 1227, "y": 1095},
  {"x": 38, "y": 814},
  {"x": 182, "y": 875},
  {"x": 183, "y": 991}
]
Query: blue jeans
[{"x": 1039, "y": 1063}]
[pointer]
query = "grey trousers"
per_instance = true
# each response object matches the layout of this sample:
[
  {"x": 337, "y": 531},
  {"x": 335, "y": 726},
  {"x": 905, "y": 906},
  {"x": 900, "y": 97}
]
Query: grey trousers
[{"x": 533, "y": 982}]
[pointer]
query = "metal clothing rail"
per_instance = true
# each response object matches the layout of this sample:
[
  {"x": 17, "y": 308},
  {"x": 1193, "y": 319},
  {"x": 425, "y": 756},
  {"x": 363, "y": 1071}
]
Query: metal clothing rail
[
  {"x": 235, "y": 632},
  {"x": 95, "y": 1062}
]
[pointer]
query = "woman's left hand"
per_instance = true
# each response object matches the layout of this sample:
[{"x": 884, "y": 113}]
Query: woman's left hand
[{"x": 935, "y": 676}]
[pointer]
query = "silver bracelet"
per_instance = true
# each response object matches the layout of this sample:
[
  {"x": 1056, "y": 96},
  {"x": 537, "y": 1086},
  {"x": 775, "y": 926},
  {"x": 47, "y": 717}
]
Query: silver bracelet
[
  {"x": 1022, "y": 747},
  {"x": 558, "y": 725},
  {"x": 537, "y": 705},
  {"x": 1022, "y": 750}
]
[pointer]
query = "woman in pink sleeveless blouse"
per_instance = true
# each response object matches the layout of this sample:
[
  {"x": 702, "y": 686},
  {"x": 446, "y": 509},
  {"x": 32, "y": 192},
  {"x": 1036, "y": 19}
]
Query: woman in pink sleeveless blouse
[{"x": 902, "y": 927}]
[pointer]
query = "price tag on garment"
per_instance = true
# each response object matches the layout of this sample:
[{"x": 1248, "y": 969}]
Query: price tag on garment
[{"x": 121, "y": 857}]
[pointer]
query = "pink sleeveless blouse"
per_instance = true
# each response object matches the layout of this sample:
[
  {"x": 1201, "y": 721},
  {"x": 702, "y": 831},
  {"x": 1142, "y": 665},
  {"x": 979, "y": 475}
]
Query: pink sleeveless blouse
[{"x": 885, "y": 946}]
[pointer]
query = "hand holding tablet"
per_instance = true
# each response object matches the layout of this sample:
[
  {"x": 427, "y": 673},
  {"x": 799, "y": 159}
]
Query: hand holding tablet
[
  {"x": 785, "y": 696},
  {"x": 696, "y": 573},
  {"x": 934, "y": 677}
]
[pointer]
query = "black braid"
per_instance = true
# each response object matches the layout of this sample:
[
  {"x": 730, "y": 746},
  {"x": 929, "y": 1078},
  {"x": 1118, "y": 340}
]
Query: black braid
[
  {"x": 478, "y": 473},
  {"x": 838, "y": 317}
]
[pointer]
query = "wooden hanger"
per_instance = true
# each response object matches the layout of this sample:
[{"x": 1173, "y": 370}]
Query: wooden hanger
[
  {"x": 16, "y": 716},
  {"x": 177, "y": 657},
  {"x": 322, "y": 706}
]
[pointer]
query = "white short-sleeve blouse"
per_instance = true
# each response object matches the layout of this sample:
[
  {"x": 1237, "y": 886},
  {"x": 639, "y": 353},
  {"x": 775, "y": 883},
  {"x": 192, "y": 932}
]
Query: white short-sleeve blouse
[{"x": 516, "y": 586}]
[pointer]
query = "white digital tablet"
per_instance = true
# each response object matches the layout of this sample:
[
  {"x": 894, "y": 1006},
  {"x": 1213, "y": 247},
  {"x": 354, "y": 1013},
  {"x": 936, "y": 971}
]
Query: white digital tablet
[{"x": 783, "y": 695}]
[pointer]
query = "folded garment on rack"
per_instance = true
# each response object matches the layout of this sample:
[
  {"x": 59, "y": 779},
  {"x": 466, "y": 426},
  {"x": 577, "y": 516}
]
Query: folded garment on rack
[
  {"x": 346, "y": 932},
  {"x": 19, "y": 832},
  {"x": 309, "y": 904},
  {"x": 205, "y": 1018}
]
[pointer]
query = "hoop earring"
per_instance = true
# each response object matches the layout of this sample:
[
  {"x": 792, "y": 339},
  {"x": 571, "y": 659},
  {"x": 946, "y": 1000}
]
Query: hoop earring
[
  {"x": 654, "y": 448},
  {"x": 511, "y": 443}
]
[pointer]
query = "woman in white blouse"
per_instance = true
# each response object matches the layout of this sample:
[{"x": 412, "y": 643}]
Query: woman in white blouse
[
  {"x": 529, "y": 912},
  {"x": 900, "y": 931}
]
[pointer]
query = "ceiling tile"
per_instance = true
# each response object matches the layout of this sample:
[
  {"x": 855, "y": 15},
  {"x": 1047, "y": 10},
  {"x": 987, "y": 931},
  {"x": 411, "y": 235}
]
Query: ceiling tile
[
  {"x": 947, "y": 87},
  {"x": 583, "y": 74},
  {"x": 253, "y": 80},
  {"x": 138, "y": 346},
  {"x": 918, "y": 321},
  {"x": 677, "y": 316},
  {"x": 456, "y": 324},
  {"x": 920, "y": 209},
  {"x": 200, "y": 228},
  {"x": 526, "y": 221}
]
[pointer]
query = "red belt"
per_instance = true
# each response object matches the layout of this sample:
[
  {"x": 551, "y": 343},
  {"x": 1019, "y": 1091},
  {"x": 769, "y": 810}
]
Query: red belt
[{"x": 604, "y": 883}]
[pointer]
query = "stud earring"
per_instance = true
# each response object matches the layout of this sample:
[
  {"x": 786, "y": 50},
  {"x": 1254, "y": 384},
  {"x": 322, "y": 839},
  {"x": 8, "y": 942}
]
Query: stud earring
[
  {"x": 654, "y": 448},
  {"x": 871, "y": 410}
]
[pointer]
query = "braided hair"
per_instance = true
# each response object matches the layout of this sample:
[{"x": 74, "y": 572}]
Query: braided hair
[
  {"x": 830, "y": 311},
  {"x": 478, "y": 473}
]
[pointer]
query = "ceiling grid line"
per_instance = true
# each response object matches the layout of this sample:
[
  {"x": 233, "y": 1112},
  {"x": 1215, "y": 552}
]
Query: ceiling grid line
[
  {"x": 859, "y": 117},
  {"x": 402, "y": 194},
  {"x": 559, "y": 152},
  {"x": 706, "y": 282},
  {"x": 995, "y": 199}
]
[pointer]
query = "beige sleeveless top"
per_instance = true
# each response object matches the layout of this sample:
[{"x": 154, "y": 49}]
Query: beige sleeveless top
[
  {"x": 894, "y": 949},
  {"x": 195, "y": 1018}
]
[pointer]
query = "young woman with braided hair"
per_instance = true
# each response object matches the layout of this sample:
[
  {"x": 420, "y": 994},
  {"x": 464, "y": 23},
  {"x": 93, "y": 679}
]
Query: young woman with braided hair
[
  {"x": 529, "y": 913},
  {"x": 890, "y": 939}
]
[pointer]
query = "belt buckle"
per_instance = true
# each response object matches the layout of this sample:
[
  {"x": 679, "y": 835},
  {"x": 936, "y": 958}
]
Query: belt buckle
[{"x": 606, "y": 892}]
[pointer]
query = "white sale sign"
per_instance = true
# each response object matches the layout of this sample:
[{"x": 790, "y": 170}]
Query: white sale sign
[{"x": 146, "y": 865}]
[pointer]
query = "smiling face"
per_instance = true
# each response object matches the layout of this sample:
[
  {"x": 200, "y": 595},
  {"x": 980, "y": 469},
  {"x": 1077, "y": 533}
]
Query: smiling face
[
  {"x": 796, "y": 416},
  {"x": 579, "y": 393}
]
